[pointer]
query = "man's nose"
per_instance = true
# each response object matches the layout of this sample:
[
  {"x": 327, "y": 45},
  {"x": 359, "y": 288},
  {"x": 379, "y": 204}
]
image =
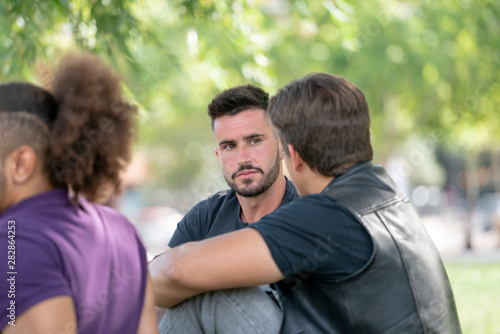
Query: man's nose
[{"x": 243, "y": 156}]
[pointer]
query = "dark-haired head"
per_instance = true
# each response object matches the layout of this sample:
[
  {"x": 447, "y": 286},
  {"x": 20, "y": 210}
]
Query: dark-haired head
[
  {"x": 26, "y": 114},
  {"x": 82, "y": 132},
  {"x": 237, "y": 99},
  {"x": 21, "y": 96},
  {"x": 326, "y": 119}
]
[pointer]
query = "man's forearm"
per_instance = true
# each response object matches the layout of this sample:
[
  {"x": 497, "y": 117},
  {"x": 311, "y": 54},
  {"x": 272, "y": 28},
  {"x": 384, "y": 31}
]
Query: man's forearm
[
  {"x": 168, "y": 289},
  {"x": 233, "y": 260}
]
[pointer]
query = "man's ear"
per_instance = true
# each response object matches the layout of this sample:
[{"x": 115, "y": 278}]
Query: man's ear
[
  {"x": 280, "y": 148},
  {"x": 216, "y": 150},
  {"x": 21, "y": 164},
  {"x": 297, "y": 161}
]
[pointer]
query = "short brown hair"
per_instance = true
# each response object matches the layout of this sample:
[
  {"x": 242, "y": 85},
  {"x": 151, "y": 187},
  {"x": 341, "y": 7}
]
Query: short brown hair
[
  {"x": 326, "y": 119},
  {"x": 237, "y": 99},
  {"x": 22, "y": 128}
]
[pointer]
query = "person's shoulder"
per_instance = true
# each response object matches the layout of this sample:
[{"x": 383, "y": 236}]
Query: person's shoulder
[
  {"x": 314, "y": 203},
  {"x": 108, "y": 214},
  {"x": 322, "y": 205},
  {"x": 31, "y": 231},
  {"x": 216, "y": 200},
  {"x": 221, "y": 196},
  {"x": 15, "y": 215},
  {"x": 212, "y": 203},
  {"x": 319, "y": 199},
  {"x": 115, "y": 220},
  {"x": 29, "y": 221},
  {"x": 36, "y": 210},
  {"x": 103, "y": 209}
]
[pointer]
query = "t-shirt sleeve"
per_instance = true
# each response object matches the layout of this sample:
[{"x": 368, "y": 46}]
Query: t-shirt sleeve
[
  {"x": 315, "y": 235},
  {"x": 35, "y": 275},
  {"x": 192, "y": 226}
]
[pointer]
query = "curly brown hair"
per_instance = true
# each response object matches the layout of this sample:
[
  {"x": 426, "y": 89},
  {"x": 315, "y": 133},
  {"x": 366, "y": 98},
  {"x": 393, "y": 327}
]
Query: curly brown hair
[{"x": 90, "y": 138}]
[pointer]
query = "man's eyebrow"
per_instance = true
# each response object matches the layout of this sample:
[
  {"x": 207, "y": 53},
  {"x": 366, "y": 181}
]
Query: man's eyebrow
[
  {"x": 227, "y": 141},
  {"x": 253, "y": 135},
  {"x": 250, "y": 136}
]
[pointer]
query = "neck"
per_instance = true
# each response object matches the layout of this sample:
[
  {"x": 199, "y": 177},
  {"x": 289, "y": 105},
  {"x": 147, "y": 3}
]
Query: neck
[
  {"x": 319, "y": 183},
  {"x": 35, "y": 187},
  {"x": 254, "y": 208},
  {"x": 311, "y": 182}
]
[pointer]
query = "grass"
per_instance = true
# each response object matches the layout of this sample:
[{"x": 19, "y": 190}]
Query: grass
[{"x": 476, "y": 287}]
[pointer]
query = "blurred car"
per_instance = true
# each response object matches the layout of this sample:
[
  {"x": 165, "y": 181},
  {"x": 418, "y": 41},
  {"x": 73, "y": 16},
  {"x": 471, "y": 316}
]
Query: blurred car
[{"x": 487, "y": 211}]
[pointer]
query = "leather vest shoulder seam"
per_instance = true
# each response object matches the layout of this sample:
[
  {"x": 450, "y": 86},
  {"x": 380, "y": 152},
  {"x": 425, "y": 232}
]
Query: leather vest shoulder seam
[{"x": 382, "y": 205}]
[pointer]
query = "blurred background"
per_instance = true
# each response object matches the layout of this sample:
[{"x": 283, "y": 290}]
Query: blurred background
[{"x": 429, "y": 69}]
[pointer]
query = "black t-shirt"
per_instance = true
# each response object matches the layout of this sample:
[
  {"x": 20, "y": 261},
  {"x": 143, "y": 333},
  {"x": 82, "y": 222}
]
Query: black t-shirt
[
  {"x": 218, "y": 214},
  {"x": 316, "y": 237}
]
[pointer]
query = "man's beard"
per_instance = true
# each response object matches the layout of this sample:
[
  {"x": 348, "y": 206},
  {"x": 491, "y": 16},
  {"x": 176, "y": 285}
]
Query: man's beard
[{"x": 260, "y": 187}]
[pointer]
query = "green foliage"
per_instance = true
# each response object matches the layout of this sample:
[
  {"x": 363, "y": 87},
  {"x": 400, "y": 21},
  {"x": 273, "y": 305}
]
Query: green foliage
[{"x": 427, "y": 68}]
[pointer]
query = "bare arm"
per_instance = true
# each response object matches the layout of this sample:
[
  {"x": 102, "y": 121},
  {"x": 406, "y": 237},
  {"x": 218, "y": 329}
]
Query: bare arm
[
  {"x": 154, "y": 258},
  {"x": 148, "y": 323},
  {"x": 54, "y": 315},
  {"x": 237, "y": 259}
]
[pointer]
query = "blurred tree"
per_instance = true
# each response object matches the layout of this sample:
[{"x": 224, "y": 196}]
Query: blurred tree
[{"x": 429, "y": 69}]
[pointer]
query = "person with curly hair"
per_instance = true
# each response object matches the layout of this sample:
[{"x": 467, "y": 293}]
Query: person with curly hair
[{"x": 74, "y": 266}]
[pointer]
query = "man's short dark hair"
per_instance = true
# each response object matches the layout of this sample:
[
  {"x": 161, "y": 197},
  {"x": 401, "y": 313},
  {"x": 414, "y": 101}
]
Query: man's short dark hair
[
  {"x": 237, "y": 99},
  {"x": 326, "y": 119},
  {"x": 21, "y": 96}
]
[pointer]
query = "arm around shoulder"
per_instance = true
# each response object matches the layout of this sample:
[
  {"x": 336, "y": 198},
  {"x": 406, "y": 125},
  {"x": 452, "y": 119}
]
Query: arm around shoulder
[{"x": 193, "y": 226}]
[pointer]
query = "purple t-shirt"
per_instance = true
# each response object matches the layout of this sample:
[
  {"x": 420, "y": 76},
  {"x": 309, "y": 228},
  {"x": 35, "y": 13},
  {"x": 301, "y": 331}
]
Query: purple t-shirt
[{"x": 86, "y": 251}]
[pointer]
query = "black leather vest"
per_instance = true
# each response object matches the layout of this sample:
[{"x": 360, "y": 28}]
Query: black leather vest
[{"x": 402, "y": 289}]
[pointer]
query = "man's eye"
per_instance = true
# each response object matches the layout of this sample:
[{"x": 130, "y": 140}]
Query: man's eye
[
  {"x": 228, "y": 146},
  {"x": 255, "y": 141}
]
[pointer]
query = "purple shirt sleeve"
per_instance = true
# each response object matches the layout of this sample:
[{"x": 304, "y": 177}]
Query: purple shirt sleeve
[{"x": 36, "y": 275}]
